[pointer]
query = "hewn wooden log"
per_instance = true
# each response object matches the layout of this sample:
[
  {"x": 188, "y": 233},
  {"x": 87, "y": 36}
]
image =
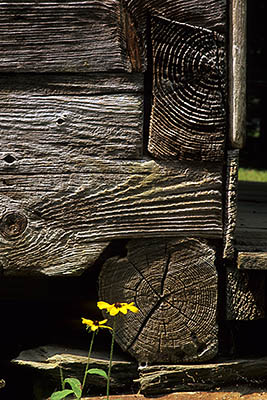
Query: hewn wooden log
[
  {"x": 162, "y": 379},
  {"x": 251, "y": 229},
  {"x": 60, "y": 224},
  {"x": 188, "y": 119},
  {"x": 174, "y": 285},
  {"x": 245, "y": 295},
  {"x": 69, "y": 116},
  {"x": 237, "y": 73},
  {"x": 252, "y": 260},
  {"x": 80, "y": 36},
  {"x": 44, "y": 363},
  {"x": 230, "y": 211}
]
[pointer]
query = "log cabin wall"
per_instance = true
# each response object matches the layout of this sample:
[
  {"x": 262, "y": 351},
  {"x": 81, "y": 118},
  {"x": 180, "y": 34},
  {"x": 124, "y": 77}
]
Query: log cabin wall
[{"x": 118, "y": 177}]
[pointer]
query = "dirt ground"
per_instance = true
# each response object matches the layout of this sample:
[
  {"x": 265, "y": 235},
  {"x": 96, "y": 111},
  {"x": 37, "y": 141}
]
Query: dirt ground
[{"x": 240, "y": 393}]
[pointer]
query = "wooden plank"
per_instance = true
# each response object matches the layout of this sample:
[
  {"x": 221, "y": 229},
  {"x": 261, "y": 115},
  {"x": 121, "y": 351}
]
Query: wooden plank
[
  {"x": 245, "y": 295},
  {"x": 188, "y": 118},
  {"x": 71, "y": 116},
  {"x": 69, "y": 36},
  {"x": 46, "y": 360},
  {"x": 162, "y": 379},
  {"x": 252, "y": 260},
  {"x": 230, "y": 213},
  {"x": 237, "y": 73},
  {"x": 56, "y": 224},
  {"x": 251, "y": 230},
  {"x": 174, "y": 285}
]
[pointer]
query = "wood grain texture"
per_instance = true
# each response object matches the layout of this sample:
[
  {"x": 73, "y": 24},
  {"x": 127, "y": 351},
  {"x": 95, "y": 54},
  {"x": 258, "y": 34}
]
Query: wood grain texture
[
  {"x": 71, "y": 217},
  {"x": 188, "y": 118},
  {"x": 245, "y": 295},
  {"x": 174, "y": 286},
  {"x": 56, "y": 36},
  {"x": 163, "y": 379},
  {"x": 250, "y": 260},
  {"x": 251, "y": 229},
  {"x": 230, "y": 211},
  {"x": 209, "y": 14},
  {"x": 237, "y": 73},
  {"x": 67, "y": 116}
]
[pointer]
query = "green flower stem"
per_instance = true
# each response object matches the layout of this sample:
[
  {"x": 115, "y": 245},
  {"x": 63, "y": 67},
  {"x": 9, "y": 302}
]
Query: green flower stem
[
  {"x": 88, "y": 359},
  {"x": 111, "y": 355},
  {"x": 61, "y": 378}
]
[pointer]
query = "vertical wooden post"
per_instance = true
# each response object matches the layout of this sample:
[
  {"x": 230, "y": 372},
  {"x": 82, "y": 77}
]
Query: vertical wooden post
[{"x": 237, "y": 73}]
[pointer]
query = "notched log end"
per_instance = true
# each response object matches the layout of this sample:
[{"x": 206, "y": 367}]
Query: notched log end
[{"x": 174, "y": 285}]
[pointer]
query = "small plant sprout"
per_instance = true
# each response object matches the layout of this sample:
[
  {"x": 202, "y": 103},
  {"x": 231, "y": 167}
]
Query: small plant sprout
[
  {"x": 75, "y": 384},
  {"x": 76, "y": 387},
  {"x": 113, "y": 310}
]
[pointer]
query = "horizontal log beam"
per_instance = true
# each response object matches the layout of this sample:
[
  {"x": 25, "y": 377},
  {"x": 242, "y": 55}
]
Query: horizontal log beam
[
  {"x": 250, "y": 260},
  {"x": 61, "y": 223},
  {"x": 56, "y": 36},
  {"x": 251, "y": 228},
  {"x": 162, "y": 379},
  {"x": 68, "y": 116}
]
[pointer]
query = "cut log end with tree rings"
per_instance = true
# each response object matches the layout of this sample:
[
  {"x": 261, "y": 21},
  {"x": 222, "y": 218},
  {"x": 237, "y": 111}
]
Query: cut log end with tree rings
[
  {"x": 174, "y": 285},
  {"x": 188, "y": 119}
]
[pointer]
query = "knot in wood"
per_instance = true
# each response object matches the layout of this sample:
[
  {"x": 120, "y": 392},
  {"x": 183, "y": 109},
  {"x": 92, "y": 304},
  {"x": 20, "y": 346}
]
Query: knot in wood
[{"x": 12, "y": 225}]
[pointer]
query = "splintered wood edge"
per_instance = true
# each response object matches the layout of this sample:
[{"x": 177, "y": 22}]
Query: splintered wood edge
[
  {"x": 237, "y": 73},
  {"x": 230, "y": 216},
  {"x": 252, "y": 260}
]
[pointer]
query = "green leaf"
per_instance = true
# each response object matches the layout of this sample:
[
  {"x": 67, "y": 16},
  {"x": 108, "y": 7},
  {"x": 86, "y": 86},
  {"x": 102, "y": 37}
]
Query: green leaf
[
  {"x": 61, "y": 394},
  {"x": 97, "y": 371},
  {"x": 76, "y": 386}
]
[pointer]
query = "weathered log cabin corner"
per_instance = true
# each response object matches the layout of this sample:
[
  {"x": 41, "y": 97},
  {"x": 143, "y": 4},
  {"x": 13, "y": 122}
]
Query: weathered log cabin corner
[{"x": 115, "y": 126}]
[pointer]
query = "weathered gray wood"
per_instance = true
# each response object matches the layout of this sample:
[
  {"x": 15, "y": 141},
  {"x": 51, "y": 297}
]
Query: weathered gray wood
[
  {"x": 70, "y": 217},
  {"x": 230, "y": 211},
  {"x": 72, "y": 84},
  {"x": 65, "y": 118},
  {"x": 237, "y": 73},
  {"x": 44, "y": 363},
  {"x": 174, "y": 285},
  {"x": 188, "y": 119},
  {"x": 245, "y": 295},
  {"x": 252, "y": 260},
  {"x": 251, "y": 229},
  {"x": 80, "y": 36},
  {"x": 162, "y": 379}
]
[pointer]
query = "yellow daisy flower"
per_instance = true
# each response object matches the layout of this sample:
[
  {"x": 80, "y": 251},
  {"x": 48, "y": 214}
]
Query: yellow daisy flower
[
  {"x": 95, "y": 325},
  {"x": 114, "y": 309}
]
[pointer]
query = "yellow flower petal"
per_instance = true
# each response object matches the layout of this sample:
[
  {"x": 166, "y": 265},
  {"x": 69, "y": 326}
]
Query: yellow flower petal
[
  {"x": 123, "y": 309},
  {"x": 132, "y": 308},
  {"x": 104, "y": 305},
  {"x": 114, "y": 311},
  {"x": 88, "y": 322},
  {"x": 102, "y": 322}
]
